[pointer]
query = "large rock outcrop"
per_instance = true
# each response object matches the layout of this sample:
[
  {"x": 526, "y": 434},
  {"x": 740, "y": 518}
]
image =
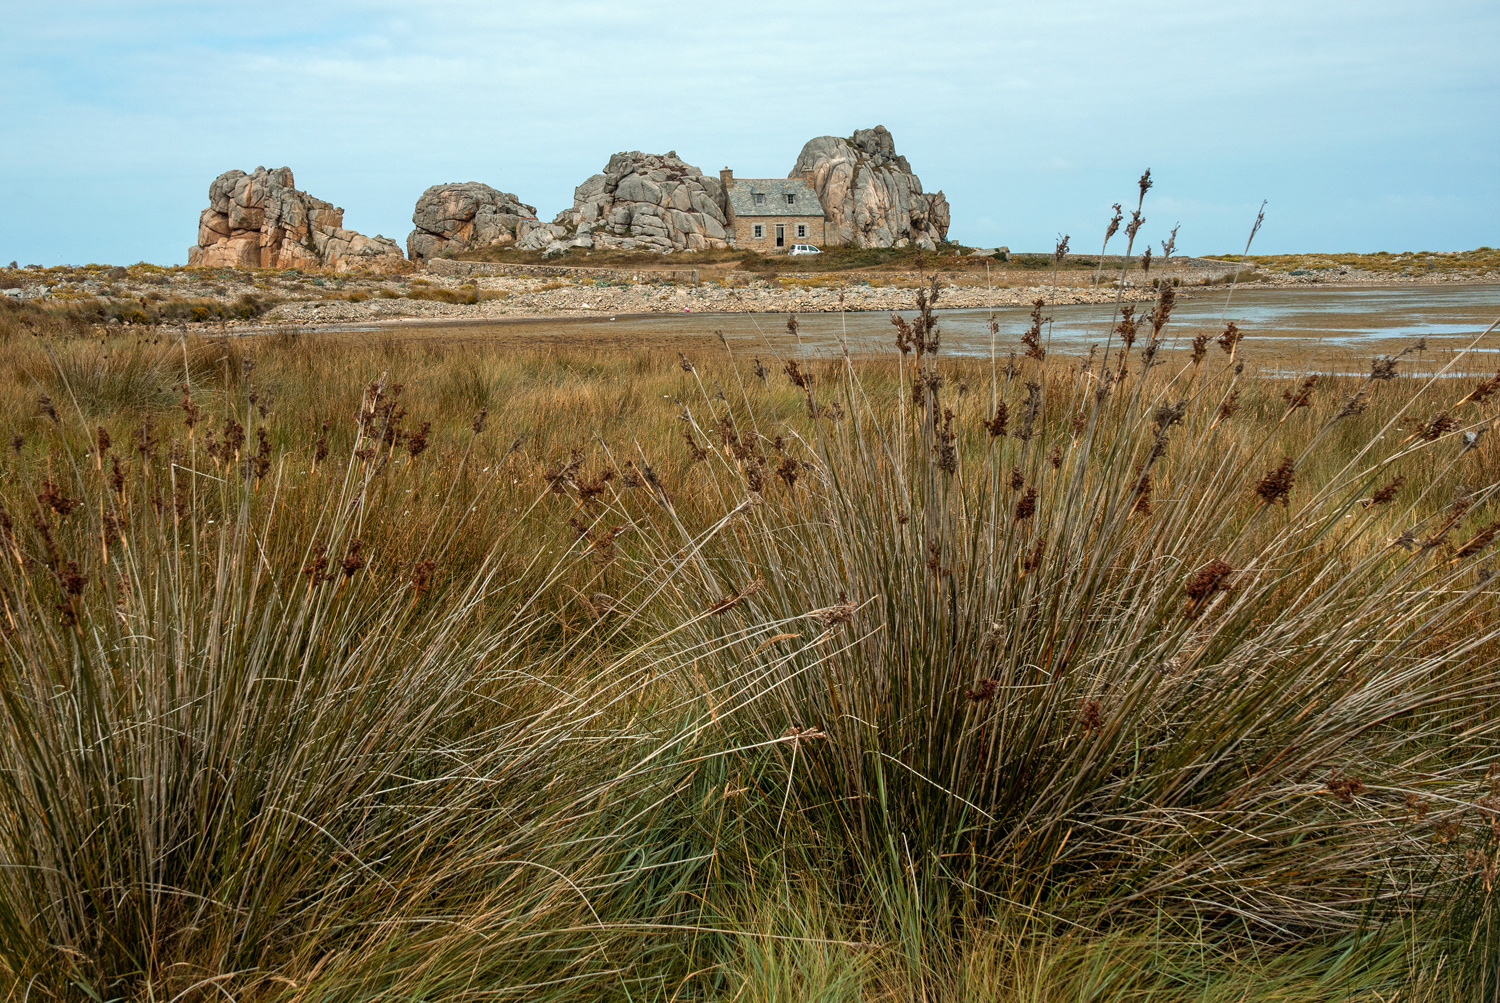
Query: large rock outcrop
[
  {"x": 870, "y": 196},
  {"x": 261, "y": 220},
  {"x": 647, "y": 202},
  {"x": 465, "y": 216}
]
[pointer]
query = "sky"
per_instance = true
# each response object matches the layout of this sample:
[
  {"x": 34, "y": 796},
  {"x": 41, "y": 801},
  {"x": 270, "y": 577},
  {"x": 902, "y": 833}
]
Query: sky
[{"x": 1365, "y": 126}]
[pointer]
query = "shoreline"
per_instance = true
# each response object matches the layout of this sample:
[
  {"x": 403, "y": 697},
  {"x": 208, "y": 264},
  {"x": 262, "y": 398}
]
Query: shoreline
[
  {"x": 209, "y": 300},
  {"x": 518, "y": 303}
]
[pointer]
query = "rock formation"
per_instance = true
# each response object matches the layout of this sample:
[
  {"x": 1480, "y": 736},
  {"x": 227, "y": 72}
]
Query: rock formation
[
  {"x": 261, "y": 220},
  {"x": 869, "y": 194},
  {"x": 647, "y": 202},
  {"x": 465, "y": 216}
]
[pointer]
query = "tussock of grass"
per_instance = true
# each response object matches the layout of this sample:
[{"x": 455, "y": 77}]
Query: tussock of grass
[{"x": 352, "y": 669}]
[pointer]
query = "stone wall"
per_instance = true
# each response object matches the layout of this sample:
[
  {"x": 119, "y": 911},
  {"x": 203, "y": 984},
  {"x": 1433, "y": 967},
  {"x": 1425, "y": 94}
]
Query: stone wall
[
  {"x": 745, "y": 239},
  {"x": 469, "y": 269}
]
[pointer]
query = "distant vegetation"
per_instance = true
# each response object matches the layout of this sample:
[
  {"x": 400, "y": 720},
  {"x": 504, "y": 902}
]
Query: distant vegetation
[
  {"x": 833, "y": 259},
  {"x": 1479, "y": 262},
  {"x": 342, "y": 667}
]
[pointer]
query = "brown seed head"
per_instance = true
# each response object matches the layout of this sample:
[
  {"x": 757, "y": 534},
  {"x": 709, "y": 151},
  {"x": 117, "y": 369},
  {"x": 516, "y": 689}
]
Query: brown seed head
[
  {"x": 1032, "y": 339},
  {"x": 1212, "y": 578},
  {"x": 841, "y": 612},
  {"x": 1437, "y": 426},
  {"x": 234, "y": 437},
  {"x": 1484, "y": 391},
  {"x": 1200, "y": 348},
  {"x": 53, "y": 497},
  {"x": 416, "y": 445},
  {"x": 354, "y": 558},
  {"x": 983, "y": 691},
  {"x": 73, "y": 582},
  {"x": 1114, "y": 224},
  {"x": 1026, "y": 507},
  {"x": 318, "y": 565},
  {"x": 1127, "y": 325},
  {"x": 1386, "y": 493},
  {"x": 1302, "y": 396},
  {"x": 1345, "y": 788},
  {"x": 787, "y": 471},
  {"x": 1142, "y": 504},
  {"x": 1231, "y": 337},
  {"x": 1353, "y": 404},
  {"x": 1277, "y": 485},
  {"x": 1169, "y": 245},
  {"x": 1229, "y": 405},
  {"x": 797, "y": 375}
]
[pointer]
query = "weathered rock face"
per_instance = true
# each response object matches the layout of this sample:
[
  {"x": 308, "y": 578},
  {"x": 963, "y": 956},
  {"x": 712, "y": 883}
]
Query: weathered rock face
[
  {"x": 647, "y": 202},
  {"x": 464, "y": 216},
  {"x": 869, "y": 194},
  {"x": 261, "y": 220}
]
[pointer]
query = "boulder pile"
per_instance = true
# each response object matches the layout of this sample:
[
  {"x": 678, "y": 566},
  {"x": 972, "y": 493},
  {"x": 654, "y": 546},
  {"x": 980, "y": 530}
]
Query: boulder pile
[
  {"x": 465, "y": 216},
  {"x": 869, "y": 194},
  {"x": 647, "y": 202},
  {"x": 261, "y": 220}
]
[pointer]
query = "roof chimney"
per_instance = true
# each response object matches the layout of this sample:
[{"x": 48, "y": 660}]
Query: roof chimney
[{"x": 726, "y": 177}]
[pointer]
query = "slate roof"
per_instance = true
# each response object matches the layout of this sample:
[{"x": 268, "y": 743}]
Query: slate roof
[{"x": 804, "y": 202}]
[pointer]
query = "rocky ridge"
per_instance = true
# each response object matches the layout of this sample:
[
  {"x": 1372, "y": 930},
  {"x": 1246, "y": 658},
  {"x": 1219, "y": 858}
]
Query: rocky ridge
[
  {"x": 465, "y": 216},
  {"x": 869, "y": 194},
  {"x": 261, "y": 220},
  {"x": 647, "y": 202}
]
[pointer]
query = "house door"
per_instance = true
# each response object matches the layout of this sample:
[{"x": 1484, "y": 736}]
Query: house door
[{"x": 780, "y": 235}]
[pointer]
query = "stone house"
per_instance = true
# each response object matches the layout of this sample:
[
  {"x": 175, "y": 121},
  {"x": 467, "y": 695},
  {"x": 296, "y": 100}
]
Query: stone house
[{"x": 769, "y": 215}]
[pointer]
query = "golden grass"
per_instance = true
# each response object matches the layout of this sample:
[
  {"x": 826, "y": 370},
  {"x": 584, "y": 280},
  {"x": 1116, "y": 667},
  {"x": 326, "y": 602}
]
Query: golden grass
[{"x": 639, "y": 649}]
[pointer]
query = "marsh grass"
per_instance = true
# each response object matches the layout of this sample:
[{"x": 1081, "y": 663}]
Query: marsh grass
[{"x": 488, "y": 670}]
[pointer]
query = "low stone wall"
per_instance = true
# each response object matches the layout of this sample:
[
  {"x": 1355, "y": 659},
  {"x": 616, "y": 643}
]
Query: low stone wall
[{"x": 467, "y": 269}]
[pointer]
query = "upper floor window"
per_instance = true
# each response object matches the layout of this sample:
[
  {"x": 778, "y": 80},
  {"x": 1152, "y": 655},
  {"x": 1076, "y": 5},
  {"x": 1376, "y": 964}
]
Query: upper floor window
[
  {"x": 790, "y": 198},
  {"x": 759, "y": 198}
]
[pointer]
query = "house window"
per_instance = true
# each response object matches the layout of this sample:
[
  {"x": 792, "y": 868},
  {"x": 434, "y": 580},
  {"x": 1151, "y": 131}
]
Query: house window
[
  {"x": 760, "y": 199},
  {"x": 759, "y": 231},
  {"x": 801, "y": 229},
  {"x": 790, "y": 198}
]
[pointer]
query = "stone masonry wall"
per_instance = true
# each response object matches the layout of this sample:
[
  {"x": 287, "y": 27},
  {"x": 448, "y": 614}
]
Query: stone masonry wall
[{"x": 745, "y": 239}]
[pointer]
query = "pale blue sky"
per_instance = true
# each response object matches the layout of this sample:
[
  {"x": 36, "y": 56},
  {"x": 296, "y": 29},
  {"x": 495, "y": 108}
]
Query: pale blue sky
[{"x": 1367, "y": 125}]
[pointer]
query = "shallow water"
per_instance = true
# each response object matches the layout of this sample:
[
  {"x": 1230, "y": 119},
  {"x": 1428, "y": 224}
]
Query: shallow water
[{"x": 1297, "y": 318}]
